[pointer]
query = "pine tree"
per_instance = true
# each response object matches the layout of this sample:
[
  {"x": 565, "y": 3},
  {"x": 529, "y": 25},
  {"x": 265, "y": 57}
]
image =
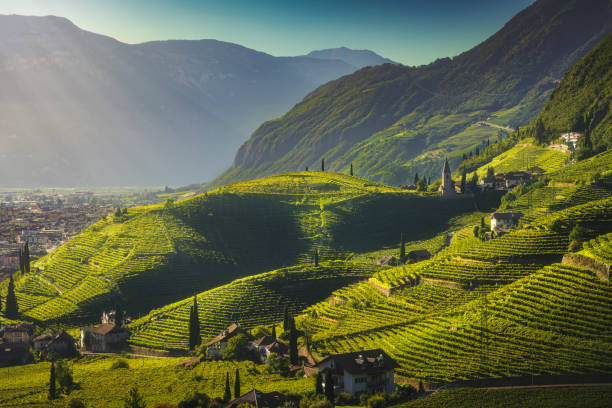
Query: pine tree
[
  {"x": 322, "y": 164},
  {"x": 11, "y": 300},
  {"x": 402, "y": 248},
  {"x": 52, "y": 393},
  {"x": 227, "y": 395},
  {"x": 237, "y": 384},
  {"x": 351, "y": 169},
  {"x": 273, "y": 331},
  {"x": 293, "y": 351},
  {"x": 21, "y": 258},
  {"x": 416, "y": 179},
  {"x": 316, "y": 257},
  {"x": 464, "y": 157},
  {"x": 463, "y": 180},
  {"x": 319, "y": 384}
]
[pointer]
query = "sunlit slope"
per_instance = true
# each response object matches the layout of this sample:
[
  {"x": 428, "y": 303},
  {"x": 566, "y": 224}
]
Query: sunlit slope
[
  {"x": 153, "y": 256},
  {"x": 501, "y": 307},
  {"x": 259, "y": 299}
]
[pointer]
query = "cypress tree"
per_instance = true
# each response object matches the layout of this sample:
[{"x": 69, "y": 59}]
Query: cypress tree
[
  {"x": 402, "y": 248},
  {"x": 11, "y": 300},
  {"x": 21, "y": 258},
  {"x": 319, "y": 384},
  {"x": 482, "y": 222},
  {"x": 322, "y": 164},
  {"x": 329, "y": 387},
  {"x": 227, "y": 395},
  {"x": 463, "y": 180},
  {"x": 286, "y": 318},
  {"x": 196, "y": 323},
  {"x": 52, "y": 393},
  {"x": 237, "y": 384},
  {"x": 118, "y": 315},
  {"x": 273, "y": 331},
  {"x": 351, "y": 169},
  {"x": 316, "y": 258},
  {"x": 26, "y": 258},
  {"x": 190, "y": 328},
  {"x": 293, "y": 351},
  {"x": 416, "y": 179}
]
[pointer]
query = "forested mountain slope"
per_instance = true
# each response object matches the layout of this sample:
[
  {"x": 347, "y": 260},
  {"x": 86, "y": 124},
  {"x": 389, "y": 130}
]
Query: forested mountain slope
[{"x": 391, "y": 121}]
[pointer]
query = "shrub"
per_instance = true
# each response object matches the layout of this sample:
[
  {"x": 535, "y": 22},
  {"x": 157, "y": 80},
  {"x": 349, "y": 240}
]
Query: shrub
[
  {"x": 76, "y": 403},
  {"x": 63, "y": 375},
  {"x": 278, "y": 364},
  {"x": 574, "y": 246},
  {"x": 119, "y": 364},
  {"x": 321, "y": 404},
  {"x": 238, "y": 349},
  {"x": 164, "y": 405},
  {"x": 195, "y": 400},
  {"x": 376, "y": 401},
  {"x": 345, "y": 398}
]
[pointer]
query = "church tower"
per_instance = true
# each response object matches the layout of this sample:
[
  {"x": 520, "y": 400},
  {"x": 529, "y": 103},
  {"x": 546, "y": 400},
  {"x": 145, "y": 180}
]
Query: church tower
[{"x": 447, "y": 188}]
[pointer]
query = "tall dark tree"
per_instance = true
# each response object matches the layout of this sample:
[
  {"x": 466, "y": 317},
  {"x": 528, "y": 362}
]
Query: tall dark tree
[
  {"x": 195, "y": 338},
  {"x": 416, "y": 179},
  {"x": 26, "y": 258},
  {"x": 227, "y": 395},
  {"x": 329, "y": 386},
  {"x": 52, "y": 391},
  {"x": 316, "y": 257},
  {"x": 464, "y": 157},
  {"x": 322, "y": 164},
  {"x": 402, "y": 248},
  {"x": 319, "y": 383},
  {"x": 477, "y": 152},
  {"x": 463, "y": 180},
  {"x": 351, "y": 169},
  {"x": 237, "y": 384},
  {"x": 118, "y": 315},
  {"x": 293, "y": 351},
  {"x": 273, "y": 331},
  {"x": 11, "y": 300},
  {"x": 286, "y": 318}
]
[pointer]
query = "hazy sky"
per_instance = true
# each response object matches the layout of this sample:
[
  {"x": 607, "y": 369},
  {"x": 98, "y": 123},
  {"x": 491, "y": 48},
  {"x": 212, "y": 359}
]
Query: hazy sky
[{"x": 409, "y": 31}]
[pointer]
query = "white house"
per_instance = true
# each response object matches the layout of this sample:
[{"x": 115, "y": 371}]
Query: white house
[
  {"x": 571, "y": 137},
  {"x": 504, "y": 220},
  {"x": 219, "y": 343},
  {"x": 365, "y": 371},
  {"x": 267, "y": 345}
]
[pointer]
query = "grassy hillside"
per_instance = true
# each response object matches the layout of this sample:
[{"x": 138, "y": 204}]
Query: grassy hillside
[
  {"x": 392, "y": 121},
  {"x": 502, "y": 307},
  {"x": 251, "y": 301},
  {"x": 582, "y": 100},
  {"x": 178, "y": 249},
  {"x": 557, "y": 397}
]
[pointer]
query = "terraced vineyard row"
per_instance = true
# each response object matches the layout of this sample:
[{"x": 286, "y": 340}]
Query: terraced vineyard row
[
  {"x": 600, "y": 248},
  {"x": 554, "y": 321},
  {"x": 252, "y": 301}
]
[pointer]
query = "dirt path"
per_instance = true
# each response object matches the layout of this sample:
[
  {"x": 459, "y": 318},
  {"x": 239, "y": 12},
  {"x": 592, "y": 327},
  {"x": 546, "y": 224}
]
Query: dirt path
[{"x": 506, "y": 128}]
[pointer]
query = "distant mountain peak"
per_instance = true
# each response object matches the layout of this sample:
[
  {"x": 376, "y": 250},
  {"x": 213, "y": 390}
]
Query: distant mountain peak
[{"x": 356, "y": 58}]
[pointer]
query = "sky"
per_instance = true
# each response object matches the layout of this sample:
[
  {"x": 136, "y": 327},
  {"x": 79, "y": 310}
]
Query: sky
[{"x": 412, "y": 32}]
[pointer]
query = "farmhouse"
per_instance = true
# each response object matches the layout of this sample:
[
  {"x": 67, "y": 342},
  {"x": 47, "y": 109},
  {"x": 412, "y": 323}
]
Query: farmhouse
[
  {"x": 216, "y": 345},
  {"x": 418, "y": 255},
  {"x": 267, "y": 345},
  {"x": 514, "y": 178},
  {"x": 389, "y": 260},
  {"x": 60, "y": 344},
  {"x": 17, "y": 333},
  {"x": 365, "y": 371},
  {"x": 571, "y": 138},
  {"x": 504, "y": 220},
  {"x": 107, "y": 337},
  {"x": 258, "y": 399}
]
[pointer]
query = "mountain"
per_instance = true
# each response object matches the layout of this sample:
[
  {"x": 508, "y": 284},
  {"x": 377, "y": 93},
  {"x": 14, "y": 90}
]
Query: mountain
[
  {"x": 391, "y": 121},
  {"x": 356, "y": 58},
  {"x": 79, "y": 108},
  {"x": 583, "y": 99}
]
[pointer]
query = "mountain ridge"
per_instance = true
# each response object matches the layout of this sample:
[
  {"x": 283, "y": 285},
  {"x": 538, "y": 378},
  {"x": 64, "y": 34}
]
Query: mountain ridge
[{"x": 392, "y": 121}]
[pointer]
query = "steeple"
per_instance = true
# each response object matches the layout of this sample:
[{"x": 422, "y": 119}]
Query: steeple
[{"x": 447, "y": 187}]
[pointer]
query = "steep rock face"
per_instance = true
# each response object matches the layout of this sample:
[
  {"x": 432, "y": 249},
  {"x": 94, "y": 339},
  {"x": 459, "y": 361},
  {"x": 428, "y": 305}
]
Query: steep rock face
[
  {"x": 79, "y": 108},
  {"x": 393, "y": 120}
]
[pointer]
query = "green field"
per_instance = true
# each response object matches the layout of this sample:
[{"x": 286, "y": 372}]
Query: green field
[{"x": 158, "y": 380}]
